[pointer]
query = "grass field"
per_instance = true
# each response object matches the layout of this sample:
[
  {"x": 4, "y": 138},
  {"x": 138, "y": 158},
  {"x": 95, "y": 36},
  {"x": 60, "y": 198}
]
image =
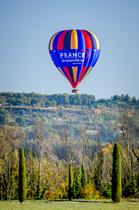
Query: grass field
[{"x": 74, "y": 205}]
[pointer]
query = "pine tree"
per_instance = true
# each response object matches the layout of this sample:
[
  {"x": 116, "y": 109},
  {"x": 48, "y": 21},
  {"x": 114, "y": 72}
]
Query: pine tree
[
  {"x": 116, "y": 174},
  {"x": 22, "y": 176},
  {"x": 70, "y": 183}
]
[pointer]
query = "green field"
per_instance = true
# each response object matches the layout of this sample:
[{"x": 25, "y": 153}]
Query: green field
[{"x": 74, "y": 205}]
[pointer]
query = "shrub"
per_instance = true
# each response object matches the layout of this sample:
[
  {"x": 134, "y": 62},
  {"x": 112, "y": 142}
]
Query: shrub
[
  {"x": 106, "y": 190},
  {"x": 89, "y": 192}
]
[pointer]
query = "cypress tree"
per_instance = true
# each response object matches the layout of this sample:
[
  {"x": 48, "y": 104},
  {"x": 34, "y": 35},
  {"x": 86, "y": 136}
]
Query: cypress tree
[
  {"x": 97, "y": 177},
  {"x": 70, "y": 183},
  {"x": 99, "y": 171},
  {"x": 83, "y": 176},
  {"x": 22, "y": 176},
  {"x": 116, "y": 174},
  {"x": 77, "y": 182}
]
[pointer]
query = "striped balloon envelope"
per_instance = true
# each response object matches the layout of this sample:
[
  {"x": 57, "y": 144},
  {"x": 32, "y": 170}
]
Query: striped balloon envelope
[{"x": 74, "y": 53}]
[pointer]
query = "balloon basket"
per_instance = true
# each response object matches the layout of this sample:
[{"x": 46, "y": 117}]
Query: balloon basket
[{"x": 75, "y": 91}]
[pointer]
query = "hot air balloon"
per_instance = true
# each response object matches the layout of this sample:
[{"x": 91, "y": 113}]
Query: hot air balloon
[{"x": 74, "y": 53}]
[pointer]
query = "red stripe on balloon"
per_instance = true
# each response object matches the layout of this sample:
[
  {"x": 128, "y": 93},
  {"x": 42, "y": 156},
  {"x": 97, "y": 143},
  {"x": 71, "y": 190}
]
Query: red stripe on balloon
[
  {"x": 68, "y": 75},
  {"x": 82, "y": 73},
  {"x": 60, "y": 45},
  {"x": 88, "y": 40},
  {"x": 74, "y": 85}
]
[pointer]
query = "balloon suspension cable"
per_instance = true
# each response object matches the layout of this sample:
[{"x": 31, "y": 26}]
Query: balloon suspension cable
[{"x": 75, "y": 91}]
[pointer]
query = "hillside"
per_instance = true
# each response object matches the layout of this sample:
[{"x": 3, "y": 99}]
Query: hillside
[{"x": 75, "y": 114}]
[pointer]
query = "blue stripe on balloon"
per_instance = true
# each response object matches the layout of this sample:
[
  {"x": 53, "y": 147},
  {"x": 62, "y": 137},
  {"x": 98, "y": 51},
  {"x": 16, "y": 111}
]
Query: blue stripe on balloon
[
  {"x": 81, "y": 41},
  {"x": 55, "y": 42},
  {"x": 67, "y": 40},
  {"x": 97, "y": 52},
  {"x": 79, "y": 72},
  {"x": 90, "y": 59}
]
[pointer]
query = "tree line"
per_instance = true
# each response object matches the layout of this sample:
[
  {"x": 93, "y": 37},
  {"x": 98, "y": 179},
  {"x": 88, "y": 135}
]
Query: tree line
[
  {"x": 78, "y": 186},
  {"x": 33, "y": 99}
]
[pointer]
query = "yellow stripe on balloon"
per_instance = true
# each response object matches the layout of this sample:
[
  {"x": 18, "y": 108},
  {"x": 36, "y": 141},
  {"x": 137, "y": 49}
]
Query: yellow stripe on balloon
[
  {"x": 74, "y": 40},
  {"x": 75, "y": 70},
  {"x": 52, "y": 40},
  {"x": 97, "y": 40},
  {"x": 88, "y": 71}
]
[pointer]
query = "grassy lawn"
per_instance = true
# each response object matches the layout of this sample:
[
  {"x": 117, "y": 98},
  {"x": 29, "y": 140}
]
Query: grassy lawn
[{"x": 66, "y": 205}]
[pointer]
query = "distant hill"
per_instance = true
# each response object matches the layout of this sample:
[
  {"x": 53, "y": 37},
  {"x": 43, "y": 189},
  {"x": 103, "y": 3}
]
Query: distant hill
[{"x": 76, "y": 114}]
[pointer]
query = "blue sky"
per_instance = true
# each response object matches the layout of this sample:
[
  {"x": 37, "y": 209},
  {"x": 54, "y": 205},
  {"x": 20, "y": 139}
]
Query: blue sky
[{"x": 26, "y": 27}]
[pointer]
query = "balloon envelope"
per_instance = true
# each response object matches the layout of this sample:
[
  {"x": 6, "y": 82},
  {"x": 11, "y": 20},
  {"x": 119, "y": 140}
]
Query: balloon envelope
[{"x": 74, "y": 53}]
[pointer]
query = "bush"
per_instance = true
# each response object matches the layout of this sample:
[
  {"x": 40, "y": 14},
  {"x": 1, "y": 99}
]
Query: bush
[
  {"x": 59, "y": 192},
  {"x": 89, "y": 192},
  {"x": 106, "y": 190}
]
